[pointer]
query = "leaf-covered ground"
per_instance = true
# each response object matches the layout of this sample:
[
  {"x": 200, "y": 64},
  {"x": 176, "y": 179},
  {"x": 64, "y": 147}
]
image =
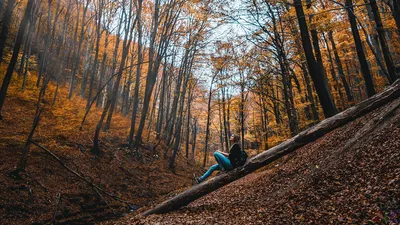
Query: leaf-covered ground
[
  {"x": 47, "y": 192},
  {"x": 321, "y": 183}
]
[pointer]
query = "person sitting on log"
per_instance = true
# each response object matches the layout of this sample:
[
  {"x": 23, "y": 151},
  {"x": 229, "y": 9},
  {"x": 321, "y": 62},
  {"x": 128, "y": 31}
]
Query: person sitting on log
[{"x": 236, "y": 157}]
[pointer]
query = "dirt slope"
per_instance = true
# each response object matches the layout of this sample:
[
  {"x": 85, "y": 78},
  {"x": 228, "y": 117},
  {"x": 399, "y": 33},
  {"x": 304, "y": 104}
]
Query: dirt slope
[{"x": 320, "y": 183}]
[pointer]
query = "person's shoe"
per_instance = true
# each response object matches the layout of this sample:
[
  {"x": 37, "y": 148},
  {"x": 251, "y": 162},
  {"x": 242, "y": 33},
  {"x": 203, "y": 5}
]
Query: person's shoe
[
  {"x": 197, "y": 179},
  {"x": 220, "y": 172}
]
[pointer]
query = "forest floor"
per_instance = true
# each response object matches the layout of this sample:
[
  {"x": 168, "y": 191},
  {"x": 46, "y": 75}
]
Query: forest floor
[
  {"x": 47, "y": 192},
  {"x": 321, "y": 183}
]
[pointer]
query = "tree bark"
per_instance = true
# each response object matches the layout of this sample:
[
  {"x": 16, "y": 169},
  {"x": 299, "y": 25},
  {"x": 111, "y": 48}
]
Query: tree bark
[
  {"x": 161, "y": 107},
  {"x": 126, "y": 46},
  {"x": 171, "y": 17},
  {"x": 178, "y": 128},
  {"x": 1, "y": 7},
  {"x": 360, "y": 51},
  {"x": 333, "y": 73},
  {"x": 225, "y": 136},
  {"x": 102, "y": 71},
  {"x": 208, "y": 121},
  {"x": 279, "y": 151},
  {"x": 190, "y": 98},
  {"x": 5, "y": 26},
  {"x": 385, "y": 49},
  {"x": 374, "y": 38},
  {"x": 77, "y": 56},
  {"x": 320, "y": 81},
  {"x": 96, "y": 147},
  {"x": 396, "y": 14},
  {"x": 99, "y": 31},
  {"x": 349, "y": 95},
  {"x": 194, "y": 135},
  {"x": 138, "y": 74},
  {"x": 14, "y": 57}
]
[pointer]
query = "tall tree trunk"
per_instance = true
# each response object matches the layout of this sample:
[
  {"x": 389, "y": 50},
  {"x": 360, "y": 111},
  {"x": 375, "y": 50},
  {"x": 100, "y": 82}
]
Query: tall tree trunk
[
  {"x": 1, "y": 8},
  {"x": 126, "y": 46},
  {"x": 171, "y": 19},
  {"x": 228, "y": 114},
  {"x": 6, "y": 26},
  {"x": 194, "y": 135},
  {"x": 30, "y": 35},
  {"x": 360, "y": 51},
  {"x": 161, "y": 105},
  {"x": 96, "y": 147},
  {"x": 385, "y": 49},
  {"x": 221, "y": 135},
  {"x": 61, "y": 59},
  {"x": 374, "y": 37},
  {"x": 26, "y": 150},
  {"x": 242, "y": 117},
  {"x": 14, "y": 57},
  {"x": 77, "y": 56},
  {"x": 138, "y": 74},
  {"x": 87, "y": 66},
  {"x": 178, "y": 129},
  {"x": 190, "y": 98},
  {"x": 275, "y": 104},
  {"x": 208, "y": 122},
  {"x": 168, "y": 134},
  {"x": 96, "y": 55},
  {"x": 287, "y": 92},
  {"x": 151, "y": 74},
  {"x": 396, "y": 14},
  {"x": 102, "y": 72},
  {"x": 309, "y": 92},
  {"x": 333, "y": 73},
  {"x": 39, "y": 109},
  {"x": 339, "y": 66},
  {"x": 47, "y": 43},
  {"x": 20, "y": 69},
  {"x": 127, "y": 88},
  {"x": 303, "y": 67},
  {"x": 320, "y": 82},
  {"x": 28, "y": 55},
  {"x": 265, "y": 122},
  {"x": 153, "y": 108},
  {"x": 226, "y": 138}
]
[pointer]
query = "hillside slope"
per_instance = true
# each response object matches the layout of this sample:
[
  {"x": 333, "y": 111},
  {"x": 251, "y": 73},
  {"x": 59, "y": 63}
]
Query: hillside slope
[
  {"x": 47, "y": 192},
  {"x": 323, "y": 182}
]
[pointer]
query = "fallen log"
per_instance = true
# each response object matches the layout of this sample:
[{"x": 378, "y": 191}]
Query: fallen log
[{"x": 290, "y": 145}]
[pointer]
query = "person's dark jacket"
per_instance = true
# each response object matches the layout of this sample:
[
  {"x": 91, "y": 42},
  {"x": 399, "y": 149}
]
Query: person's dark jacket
[{"x": 236, "y": 156}]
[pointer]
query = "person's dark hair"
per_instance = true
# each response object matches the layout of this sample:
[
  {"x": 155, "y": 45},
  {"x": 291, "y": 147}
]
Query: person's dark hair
[{"x": 236, "y": 138}]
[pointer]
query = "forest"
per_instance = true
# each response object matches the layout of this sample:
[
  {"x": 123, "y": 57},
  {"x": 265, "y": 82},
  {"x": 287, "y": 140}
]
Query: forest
[{"x": 111, "y": 110}]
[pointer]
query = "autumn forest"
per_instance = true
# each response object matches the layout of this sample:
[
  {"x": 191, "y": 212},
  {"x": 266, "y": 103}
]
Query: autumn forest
[{"x": 111, "y": 110}]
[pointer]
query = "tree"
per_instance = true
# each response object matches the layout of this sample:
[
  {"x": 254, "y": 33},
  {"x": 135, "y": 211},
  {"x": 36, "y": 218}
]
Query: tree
[
  {"x": 320, "y": 81},
  {"x": 396, "y": 14},
  {"x": 77, "y": 54},
  {"x": 385, "y": 49},
  {"x": 5, "y": 26},
  {"x": 156, "y": 54},
  {"x": 340, "y": 68},
  {"x": 360, "y": 51},
  {"x": 138, "y": 73},
  {"x": 208, "y": 120},
  {"x": 14, "y": 57}
]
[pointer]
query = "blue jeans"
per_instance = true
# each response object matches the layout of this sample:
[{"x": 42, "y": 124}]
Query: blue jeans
[{"x": 222, "y": 163}]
